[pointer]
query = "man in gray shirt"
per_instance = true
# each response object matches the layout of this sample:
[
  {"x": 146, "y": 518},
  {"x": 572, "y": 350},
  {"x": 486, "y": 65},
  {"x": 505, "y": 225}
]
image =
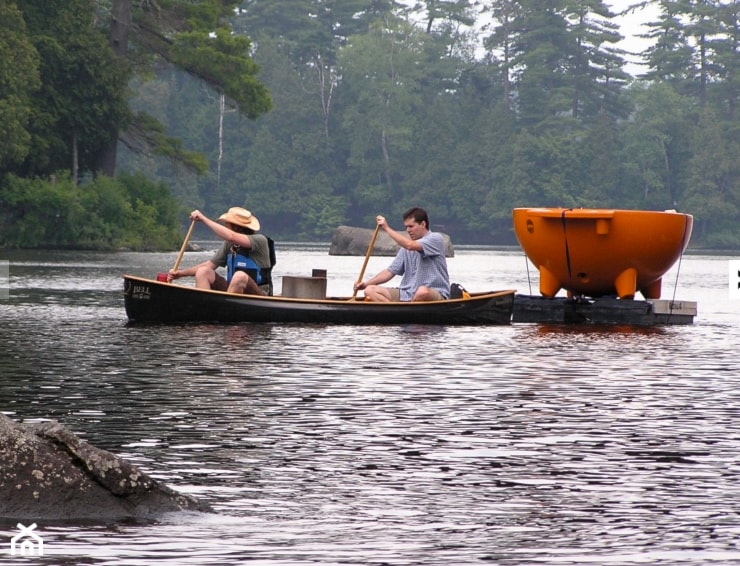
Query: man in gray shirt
[{"x": 421, "y": 261}]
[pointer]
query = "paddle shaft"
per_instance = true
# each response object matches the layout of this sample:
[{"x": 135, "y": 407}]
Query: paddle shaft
[
  {"x": 367, "y": 258},
  {"x": 184, "y": 245}
]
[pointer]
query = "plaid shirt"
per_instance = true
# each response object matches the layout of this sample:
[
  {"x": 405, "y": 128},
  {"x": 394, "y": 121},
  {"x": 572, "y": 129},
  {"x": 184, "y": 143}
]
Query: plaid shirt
[{"x": 426, "y": 268}]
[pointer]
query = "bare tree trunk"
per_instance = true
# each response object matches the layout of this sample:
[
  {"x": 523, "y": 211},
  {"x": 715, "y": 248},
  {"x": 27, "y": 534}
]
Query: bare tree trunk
[
  {"x": 118, "y": 40},
  {"x": 327, "y": 83},
  {"x": 667, "y": 164},
  {"x": 75, "y": 160},
  {"x": 120, "y": 27},
  {"x": 387, "y": 161},
  {"x": 731, "y": 69},
  {"x": 505, "y": 75},
  {"x": 703, "y": 77},
  {"x": 221, "y": 112}
]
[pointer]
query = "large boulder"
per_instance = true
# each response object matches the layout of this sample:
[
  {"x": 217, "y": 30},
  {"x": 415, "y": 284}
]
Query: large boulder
[
  {"x": 350, "y": 240},
  {"x": 47, "y": 472}
]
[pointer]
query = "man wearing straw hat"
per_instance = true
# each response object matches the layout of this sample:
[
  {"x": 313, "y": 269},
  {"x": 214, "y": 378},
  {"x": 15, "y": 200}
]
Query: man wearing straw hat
[{"x": 244, "y": 253}]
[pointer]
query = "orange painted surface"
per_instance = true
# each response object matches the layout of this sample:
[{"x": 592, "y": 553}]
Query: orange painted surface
[{"x": 597, "y": 252}]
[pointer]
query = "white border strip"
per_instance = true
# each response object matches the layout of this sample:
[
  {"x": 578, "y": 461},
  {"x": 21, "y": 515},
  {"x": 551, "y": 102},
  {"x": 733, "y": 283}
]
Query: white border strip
[
  {"x": 733, "y": 279},
  {"x": 4, "y": 280}
]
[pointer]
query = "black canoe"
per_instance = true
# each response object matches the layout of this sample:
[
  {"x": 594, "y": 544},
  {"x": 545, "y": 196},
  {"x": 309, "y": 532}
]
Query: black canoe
[{"x": 148, "y": 300}]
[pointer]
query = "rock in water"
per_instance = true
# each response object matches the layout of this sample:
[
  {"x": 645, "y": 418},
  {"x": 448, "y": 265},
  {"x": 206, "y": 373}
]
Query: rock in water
[
  {"x": 351, "y": 240},
  {"x": 47, "y": 472}
]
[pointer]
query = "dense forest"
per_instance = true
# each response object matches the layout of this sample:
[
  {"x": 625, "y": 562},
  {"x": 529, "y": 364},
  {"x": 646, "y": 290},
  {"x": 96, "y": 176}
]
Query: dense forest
[{"x": 316, "y": 113}]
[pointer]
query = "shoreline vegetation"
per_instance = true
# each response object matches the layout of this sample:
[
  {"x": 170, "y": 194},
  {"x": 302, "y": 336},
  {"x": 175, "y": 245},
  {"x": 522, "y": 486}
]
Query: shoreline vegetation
[
  {"x": 130, "y": 212},
  {"x": 316, "y": 121}
]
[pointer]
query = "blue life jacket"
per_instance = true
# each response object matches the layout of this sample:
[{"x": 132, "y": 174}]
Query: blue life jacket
[{"x": 238, "y": 261}]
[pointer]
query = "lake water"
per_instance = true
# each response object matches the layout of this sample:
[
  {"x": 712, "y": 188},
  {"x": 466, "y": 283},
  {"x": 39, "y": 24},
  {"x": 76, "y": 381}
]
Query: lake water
[{"x": 337, "y": 445}]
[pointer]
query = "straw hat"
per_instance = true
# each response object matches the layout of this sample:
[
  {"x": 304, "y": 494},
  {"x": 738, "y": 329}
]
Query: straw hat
[{"x": 241, "y": 217}]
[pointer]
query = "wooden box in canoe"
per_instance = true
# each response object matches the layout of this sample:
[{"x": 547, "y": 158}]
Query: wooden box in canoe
[{"x": 149, "y": 300}]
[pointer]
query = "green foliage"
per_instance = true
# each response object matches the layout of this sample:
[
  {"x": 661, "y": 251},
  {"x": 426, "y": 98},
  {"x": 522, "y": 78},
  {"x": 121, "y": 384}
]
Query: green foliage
[
  {"x": 713, "y": 179},
  {"x": 197, "y": 37},
  {"x": 222, "y": 60},
  {"x": 726, "y": 238},
  {"x": 375, "y": 115},
  {"x": 376, "y": 106},
  {"x": 82, "y": 100},
  {"x": 657, "y": 144},
  {"x": 129, "y": 213},
  {"x": 324, "y": 213},
  {"x": 16, "y": 88},
  {"x": 309, "y": 30},
  {"x": 382, "y": 72},
  {"x": 35, "y": 212}
]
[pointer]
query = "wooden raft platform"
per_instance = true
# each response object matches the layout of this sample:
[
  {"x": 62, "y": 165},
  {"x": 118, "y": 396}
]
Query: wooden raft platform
[{"x": 604, "y": 310}]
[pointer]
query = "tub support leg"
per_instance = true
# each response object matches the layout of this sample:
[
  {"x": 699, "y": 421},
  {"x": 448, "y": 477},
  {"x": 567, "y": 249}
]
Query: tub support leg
[
  {"x": 653, "y": 290},
  {"x": 626, "y": 283},
  {"x": 549, "y": 284}
]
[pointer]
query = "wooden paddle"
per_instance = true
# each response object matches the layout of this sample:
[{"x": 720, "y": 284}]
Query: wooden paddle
[
  {"x": 184, "y": 245},
  {"x": 367, "y": 258}
]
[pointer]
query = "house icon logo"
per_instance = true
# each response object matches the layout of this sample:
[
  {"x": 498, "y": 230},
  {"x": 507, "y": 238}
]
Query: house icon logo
[{"x": 26, "y": 542}]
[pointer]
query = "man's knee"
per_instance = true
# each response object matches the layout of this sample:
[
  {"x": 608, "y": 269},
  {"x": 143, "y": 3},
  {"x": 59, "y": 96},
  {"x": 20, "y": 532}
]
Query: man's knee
[
  {"x": 371, "y": 292},
  {"x": 376, "y": 293},
  {"x": 203, "y": 271},
  {"x": 427, "y": 294},
  {"x": 240, "y": 277},
  {"x": 205, "y": 277},
  {"x": 239, "y": 282}
]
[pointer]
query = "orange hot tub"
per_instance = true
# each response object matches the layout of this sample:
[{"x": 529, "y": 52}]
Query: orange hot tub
[{"x": 595, "y": 252}]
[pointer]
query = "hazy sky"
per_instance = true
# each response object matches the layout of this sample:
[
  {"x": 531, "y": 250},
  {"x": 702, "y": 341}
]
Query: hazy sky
[{"x": 631, "y": 28}]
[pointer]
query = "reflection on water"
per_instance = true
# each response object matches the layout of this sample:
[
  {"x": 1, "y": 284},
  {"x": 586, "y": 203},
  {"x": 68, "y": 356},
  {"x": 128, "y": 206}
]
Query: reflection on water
[{"x": 402, "y": 445}]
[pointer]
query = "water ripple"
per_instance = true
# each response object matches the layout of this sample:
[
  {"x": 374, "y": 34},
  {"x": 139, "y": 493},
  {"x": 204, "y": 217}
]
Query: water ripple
[{"x": 528, "y": 444}]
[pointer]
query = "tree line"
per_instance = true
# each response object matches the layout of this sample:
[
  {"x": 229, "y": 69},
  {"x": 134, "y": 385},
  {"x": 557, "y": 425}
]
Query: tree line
[{"x": 316, "y": 113}]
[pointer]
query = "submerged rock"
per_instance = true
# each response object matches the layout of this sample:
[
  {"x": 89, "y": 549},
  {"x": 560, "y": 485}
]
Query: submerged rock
[
  {"x": 350, "y": 240},
  {"x": 47, "y": 472}
]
